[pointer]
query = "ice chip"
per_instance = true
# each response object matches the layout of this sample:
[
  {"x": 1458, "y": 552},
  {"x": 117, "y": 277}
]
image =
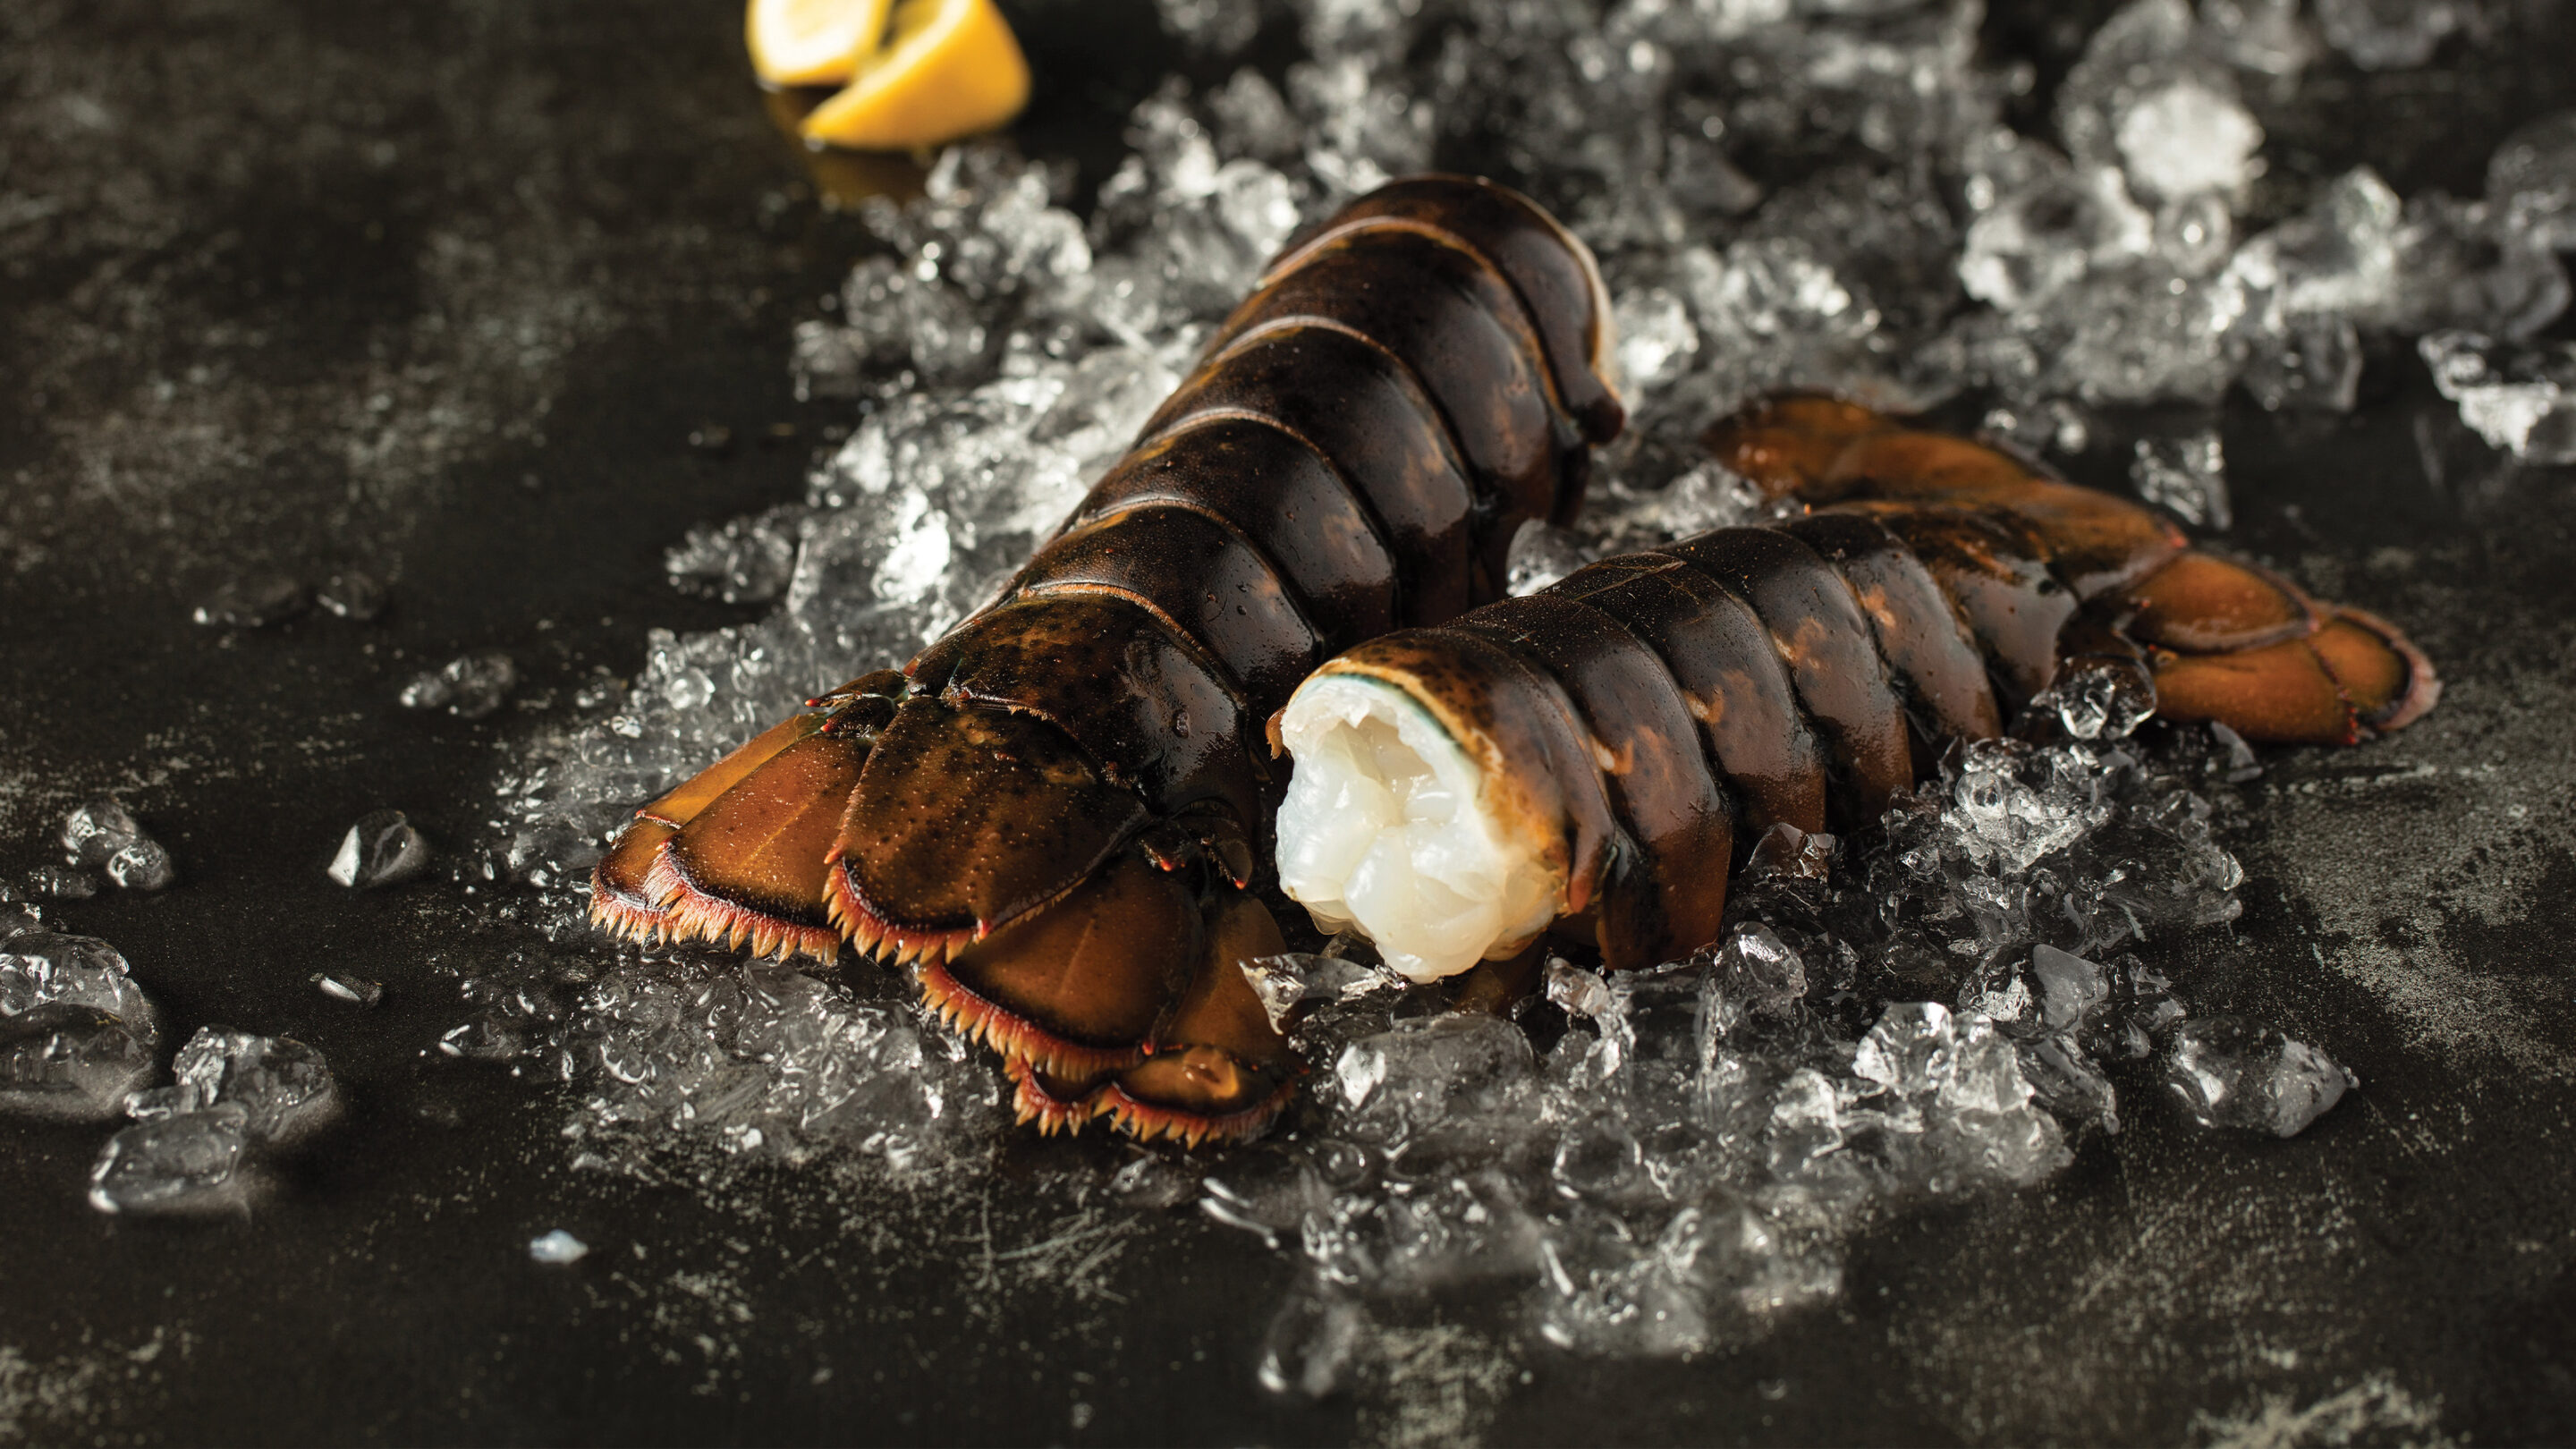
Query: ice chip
[
  {"x": 2519, "y": 398},
  {"x": 97, "y": 830},
  {"x": 743, "y": 561},
  {"x": 2071, "y": 989},
  {"x": 2531, "y": 182},
  {"x": 281, "y": 1085},
  {"x": 2230, "y": 1072},
  {"x": 2186, "y": 138},
  {"x": 1806, "y": 1122},
  {"x": 1541, "y": 554},
  {"x": 345, "y": 987},
  {"x": 2312, "y": 361},
  {"x": 40, "y": 968},
  {"x": 185, "y": 1162},
  {"x": 2066, "y": 1080},
  {"x": 2187, "y": 476},
  {"x": 1597, "y": 1157},
  {"x": 2035, "y": 243},
  {"x": 2098, "y": 703},
  {"x": 352, "y": 595},
  {"x": 1310, "y": 1343},
  {"x": 1288, "y": 984},
  {"x": 62, "y": 882},
  {"x": 469, "y": 686},
  {"x": 2387, "y": 34},
  {"x": 382, "y": 849},
  {"x": 1902, "y": 1050},
  {"x": 2457, "y": 268},
  {"x": 1576, "y": 991},
  {"x": 1656, "y": 339},
  {"x": 1426, "y": 1070},
  {"x": 251, "y": 603},
  {"x": 557, "y": 1249},
  {"x": 1756, "y": 974},
  {"x": 142, "y": 866},
  {"x": 2339, "y": 256},
  {"x": 69, "y": 1062},
  {"x": 1980, "y": 1072},
  {"x": 1787, "y": 852}
]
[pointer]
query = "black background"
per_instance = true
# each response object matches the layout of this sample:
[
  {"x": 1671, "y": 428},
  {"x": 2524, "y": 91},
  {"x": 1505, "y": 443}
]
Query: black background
[{"x": 555, "y": 237}]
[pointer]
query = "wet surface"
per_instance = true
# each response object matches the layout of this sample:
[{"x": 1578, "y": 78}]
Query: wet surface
[{"x": 441, "y": 296}]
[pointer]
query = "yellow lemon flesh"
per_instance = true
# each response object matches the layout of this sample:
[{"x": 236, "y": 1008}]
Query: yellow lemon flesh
[
  {"x": 951, "y": 68},
  {"x": 813, "y": 42}
]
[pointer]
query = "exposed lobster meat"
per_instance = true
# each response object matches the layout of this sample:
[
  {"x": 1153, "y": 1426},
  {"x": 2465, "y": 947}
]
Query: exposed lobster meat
[
  {"x": 1053, "y": 814},
  {"x": 1595, "y": 756}
]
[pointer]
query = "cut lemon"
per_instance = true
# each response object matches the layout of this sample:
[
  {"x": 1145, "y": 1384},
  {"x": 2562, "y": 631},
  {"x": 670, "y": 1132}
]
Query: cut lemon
[
  {"x": 813, "y": 42},
  {"x": 950, "y": 68}
]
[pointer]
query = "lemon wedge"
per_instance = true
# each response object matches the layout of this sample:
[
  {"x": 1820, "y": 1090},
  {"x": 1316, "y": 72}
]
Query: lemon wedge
[
  {"x": 813, "y": 42},
  {"x": 949, "y": 68}
]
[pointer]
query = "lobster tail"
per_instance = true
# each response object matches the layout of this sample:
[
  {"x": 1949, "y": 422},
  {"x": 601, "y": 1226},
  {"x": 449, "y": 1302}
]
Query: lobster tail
[
  {"x": 1053, "y": 813},
  {"x": 1668, "y": 706}
]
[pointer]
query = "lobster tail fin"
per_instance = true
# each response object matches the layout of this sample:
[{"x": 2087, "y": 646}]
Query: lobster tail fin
[
  {"x": 625, "y": 895},
  {"x": 2235, "y": 644}
]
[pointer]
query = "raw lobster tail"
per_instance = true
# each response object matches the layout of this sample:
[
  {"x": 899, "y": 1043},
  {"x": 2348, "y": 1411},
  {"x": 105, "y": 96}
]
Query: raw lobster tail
[
  {"x": 1599, "y": 752},
  {"x": 1054, "y": 814}
]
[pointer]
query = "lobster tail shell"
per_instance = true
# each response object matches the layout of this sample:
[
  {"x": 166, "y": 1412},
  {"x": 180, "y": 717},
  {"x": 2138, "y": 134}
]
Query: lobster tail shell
[
  {"x": 1053, "y": 813},
  {"x": 1827, "y": 662}
]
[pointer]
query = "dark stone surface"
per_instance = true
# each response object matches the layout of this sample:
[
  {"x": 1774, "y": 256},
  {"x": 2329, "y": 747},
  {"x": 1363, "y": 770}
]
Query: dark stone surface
[{"x": 438, "y": 292}]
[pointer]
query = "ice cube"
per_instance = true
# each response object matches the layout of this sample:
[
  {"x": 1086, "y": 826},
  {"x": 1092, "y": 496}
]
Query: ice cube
[
  {"x": 2310, "y": 361},
  {"x": 1541, "y": 554},
  {"x": 1576, "y": 991},
  {"x": 2036, "y": 242},
  {"x": 2230, "y": 1072},
  {"x": 2531, "y": 182},
  {"x": 2457, "y": 268},
  {"x": 141, "y": 866},
  {"x": 382, "y": 849},
  {"x": 1901, "y": 1052},
  {"x": 97, "y": 830},
  {"x": 1288, "y": 984},
  {"x": 1756, "y": 974},
  {"x": 2519, "y": 398},
  {"x": 346, "y": 987},
  {"x": 2188, "y": 137},
  {"x": 251, "y": 603},
  {"x": 2071, "y": 989},
  {"x": 70, "y": 1062},
  {"x": 102, "y": 834},
  {"x": 1786, "y": 852},
  {"x": 352, "y": 595},
  {"x": 1425, "y": 1071},
  {"x": 2339, "y": 256},
  {"x": 2066, "y": 1080},
  {"x": 181, "y": 1163},
  {"x": 281, "y": 1085},
  {"x": 1310, "y": 1343},
  {"x": 2107, "y": 703},
  {"x": 2387, "y": 34},
  {"x": 1656, "y": 339},
  {"x": 2187, "y": 476},
  {"x": 557, "y": 1249},
  {"x": 469, "y": 686},
  {"x": 2142, "y": 333},
  {"x": 41, "y": 967},
  {"x": 1806, "y": 1122},
  {"x": 2264, "y": 36},
  {"x": 1252, "y": 119},
  {"x": 62, "y": 882},
  {"x": 743, "y": 561}
]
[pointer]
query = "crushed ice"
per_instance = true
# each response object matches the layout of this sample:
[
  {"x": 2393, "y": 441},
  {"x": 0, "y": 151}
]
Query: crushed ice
[{"x": 1661, "y": 1161}]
